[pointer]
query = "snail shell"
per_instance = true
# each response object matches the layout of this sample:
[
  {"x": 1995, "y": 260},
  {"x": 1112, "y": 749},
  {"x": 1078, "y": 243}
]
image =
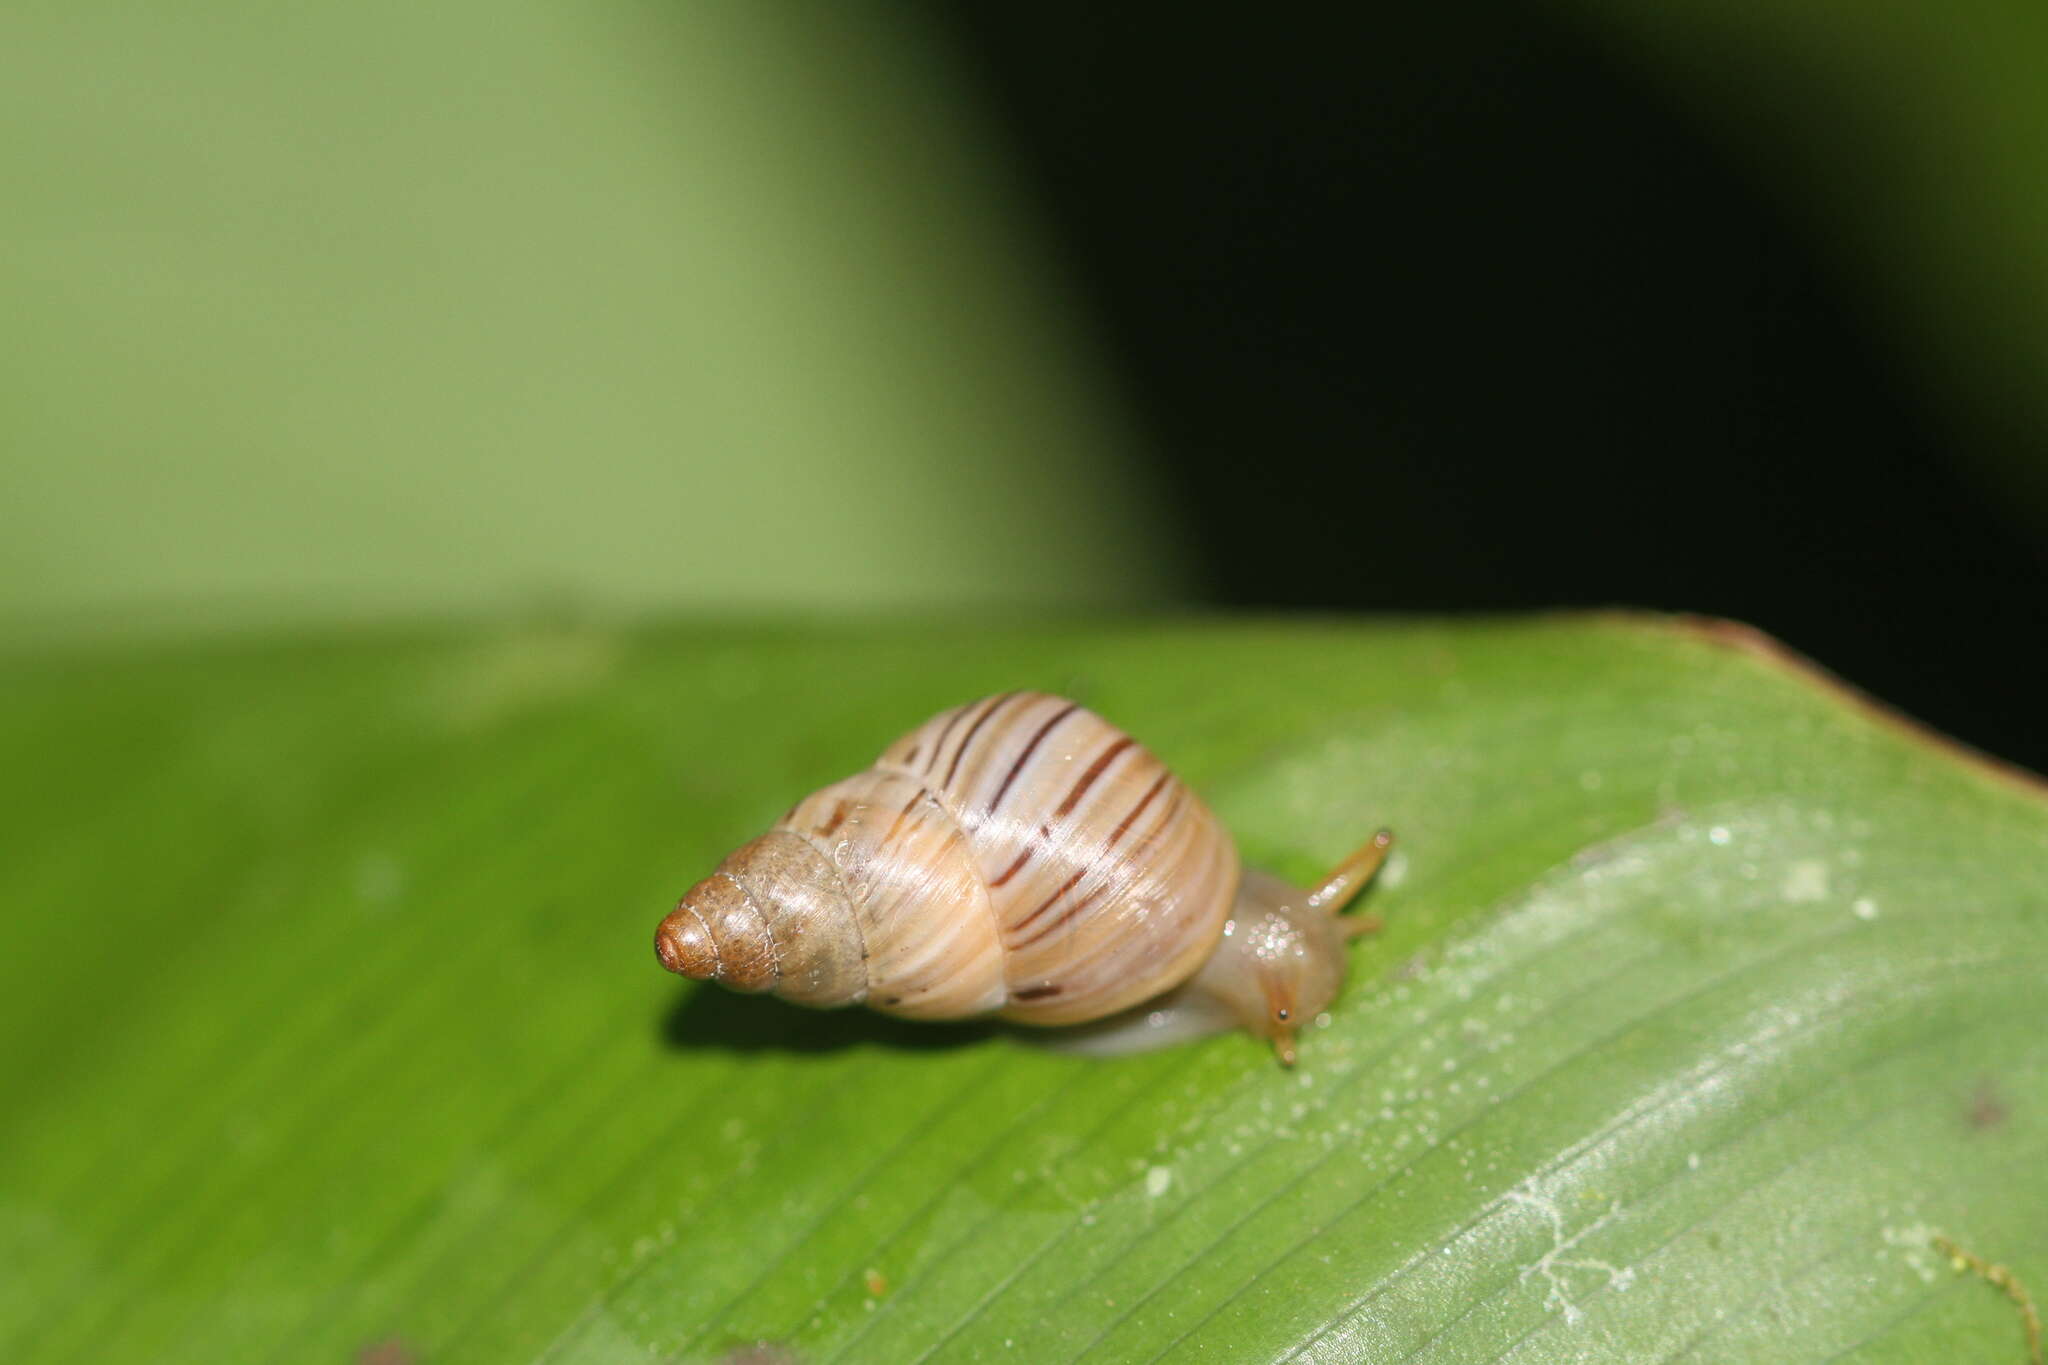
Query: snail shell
[{"x": 1021, "y": 857}]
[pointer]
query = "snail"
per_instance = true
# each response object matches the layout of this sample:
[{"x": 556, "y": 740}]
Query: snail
[{"x": 1020, "y": 857}]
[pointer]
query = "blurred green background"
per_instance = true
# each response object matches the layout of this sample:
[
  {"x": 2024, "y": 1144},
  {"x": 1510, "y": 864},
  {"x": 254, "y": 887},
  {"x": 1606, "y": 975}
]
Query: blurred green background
[
  {"x": 634, "y": 308},
  {"x": 345, "y": 310}
]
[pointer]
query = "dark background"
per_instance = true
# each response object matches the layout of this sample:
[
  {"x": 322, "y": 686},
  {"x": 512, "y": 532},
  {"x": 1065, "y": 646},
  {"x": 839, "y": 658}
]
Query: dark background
[{"x": 1441, "y": 312}]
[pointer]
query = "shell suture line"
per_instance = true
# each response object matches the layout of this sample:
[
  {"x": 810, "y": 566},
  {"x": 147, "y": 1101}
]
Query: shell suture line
[{"x": 767, "y": 926}]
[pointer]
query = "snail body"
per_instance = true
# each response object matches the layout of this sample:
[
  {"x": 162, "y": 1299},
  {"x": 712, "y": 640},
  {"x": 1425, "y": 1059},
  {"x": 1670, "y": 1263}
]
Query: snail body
[{"x": 1019, "y": 857}]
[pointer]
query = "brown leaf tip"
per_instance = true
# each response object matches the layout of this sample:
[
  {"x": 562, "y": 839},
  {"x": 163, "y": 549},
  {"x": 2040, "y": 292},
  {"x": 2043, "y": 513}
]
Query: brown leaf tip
[
  {"x": 1747, "y": 639},
  {"x": 1987, "y": 1106},
  {"x": 390, "y": 1351}
]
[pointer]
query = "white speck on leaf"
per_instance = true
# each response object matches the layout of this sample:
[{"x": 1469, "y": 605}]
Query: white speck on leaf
[
  {"x": 1805, "y": 881},
  {"x": 1916, "y": 1245},
  {"x": 1553, "y": 1264}
]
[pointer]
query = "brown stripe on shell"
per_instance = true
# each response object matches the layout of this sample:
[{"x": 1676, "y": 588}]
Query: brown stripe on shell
[
  {"x": 967, "y": 741},
  {"x": 1138, "y": 809},
  {"x": 896, "y": 826},
  {"x": 1049, "y": 928},
  {"x": 1022, "y": 858},
  {"x": 940, "y": 747},
  {"x": 831, "y": 827},
  {"x": 1088, "y": 779},
  {"x": 1053, "y": 899},
  {"x": 1065, "y": 916},
  {"x": 1023, "y": 757},
  {"x": 1107, "y": 757}
]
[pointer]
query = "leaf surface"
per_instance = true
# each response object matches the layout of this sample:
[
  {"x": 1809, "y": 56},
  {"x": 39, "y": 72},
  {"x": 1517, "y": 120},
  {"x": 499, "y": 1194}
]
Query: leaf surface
[{"x": 330, "y": 1027}]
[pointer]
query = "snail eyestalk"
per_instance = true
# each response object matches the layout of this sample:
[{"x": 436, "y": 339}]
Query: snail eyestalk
[{"x": 1351, "y": 876}]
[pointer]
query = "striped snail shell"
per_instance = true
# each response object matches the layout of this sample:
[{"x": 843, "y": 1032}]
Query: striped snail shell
[{"x": 1019, "y": 857}]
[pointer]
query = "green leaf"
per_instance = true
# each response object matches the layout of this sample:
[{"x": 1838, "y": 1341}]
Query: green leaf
[{"x": 331, "y": 1028}]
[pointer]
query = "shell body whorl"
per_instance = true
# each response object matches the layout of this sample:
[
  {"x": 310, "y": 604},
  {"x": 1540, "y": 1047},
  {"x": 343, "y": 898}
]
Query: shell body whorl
[{"x": 1018, "y": 856}]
